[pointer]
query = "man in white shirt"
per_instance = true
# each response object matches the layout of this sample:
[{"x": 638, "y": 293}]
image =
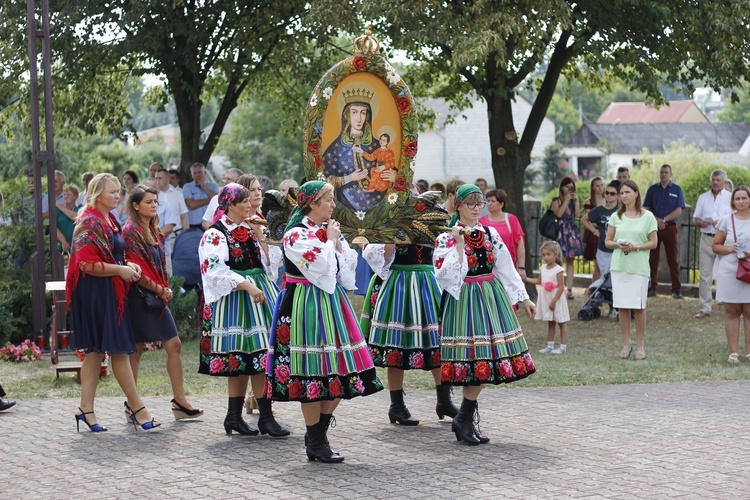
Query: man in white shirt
[
  {"x": 712, "y": 206},
  {"x": 167, "y": 222},
  {"x": 198, "y": 194},
  {"x": 230, "y": 175},
  {"x": 168, "y": 195}
]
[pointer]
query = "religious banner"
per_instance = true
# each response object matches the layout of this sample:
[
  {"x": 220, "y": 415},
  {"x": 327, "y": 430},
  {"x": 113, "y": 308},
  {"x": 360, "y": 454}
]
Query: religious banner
[{"x": 361, "y": 136}]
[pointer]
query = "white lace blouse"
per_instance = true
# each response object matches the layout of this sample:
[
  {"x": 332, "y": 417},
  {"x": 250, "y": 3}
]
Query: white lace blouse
[
  {"x": 320, "y": 263},
  {"x": 451, "y": 268},
  {"x": 218, "y": 278},
  {"x": 374, "y": 254}
]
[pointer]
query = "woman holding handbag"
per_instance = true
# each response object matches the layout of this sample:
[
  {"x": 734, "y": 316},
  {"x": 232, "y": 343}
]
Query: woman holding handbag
[
  {"x": 730, "y": 244},
  {"x": 147, "y": 300}
]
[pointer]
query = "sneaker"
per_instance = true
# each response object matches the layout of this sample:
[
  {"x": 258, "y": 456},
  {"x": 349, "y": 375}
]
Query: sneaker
[
  {"x": 677, "y": 295},
  {"x": 651, "y": 292},
  {"x": 559, "y": 350},
  {"x": 547, "y": 350}
]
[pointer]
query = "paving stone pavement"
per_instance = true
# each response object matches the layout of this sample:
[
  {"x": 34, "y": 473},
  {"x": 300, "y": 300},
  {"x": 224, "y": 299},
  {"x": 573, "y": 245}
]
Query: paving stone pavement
[{"x": 627, "y": 441}]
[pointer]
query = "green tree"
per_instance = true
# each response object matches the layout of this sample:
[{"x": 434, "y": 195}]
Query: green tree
[
  {"x": 554, "y": 166},
  {"x": 737, "y": 112}
]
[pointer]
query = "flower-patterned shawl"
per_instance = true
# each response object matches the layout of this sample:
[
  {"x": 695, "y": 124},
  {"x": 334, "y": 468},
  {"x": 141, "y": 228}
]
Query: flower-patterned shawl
[
  {"x": 308, "y": 247},
  {"x": 450, "y": 273},
  {"x": 306, "y": 194},
  {"x": 462, "y": 192},
  {"x": 226, "y": 197},
  {"x": 93, "y": 242},
  {"x": 218, "y": 278},
  {"x": 137, "y": 252}
]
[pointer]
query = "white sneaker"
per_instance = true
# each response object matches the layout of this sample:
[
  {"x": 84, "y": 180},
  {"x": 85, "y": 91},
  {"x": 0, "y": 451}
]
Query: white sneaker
[
  {"x": 612, "y": 313},
  {"x": 559, "y": 350},
  {"x": 547, "y": 350}
]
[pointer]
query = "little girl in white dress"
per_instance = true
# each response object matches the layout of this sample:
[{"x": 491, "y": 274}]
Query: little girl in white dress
[{"x": 552, "y": 305}]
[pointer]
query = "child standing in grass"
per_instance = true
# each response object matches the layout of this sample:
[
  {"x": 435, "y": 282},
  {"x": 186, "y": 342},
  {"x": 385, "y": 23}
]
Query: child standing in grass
[{"x": 552, "y": 305}]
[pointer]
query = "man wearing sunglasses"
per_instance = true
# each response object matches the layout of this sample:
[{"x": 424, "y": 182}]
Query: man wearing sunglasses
[{"x": 597, "y": 220}]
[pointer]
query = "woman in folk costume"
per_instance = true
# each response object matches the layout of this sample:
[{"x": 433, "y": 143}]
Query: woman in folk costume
[
  {"x": 97, "y": 288},
  {"x": 318, "y": 353},
  {"x": 237, "y": 315},
  {"x": 144, "y": 246},
  {"x": 481, "y": 340},
  {"x": 401, "y": 317}
]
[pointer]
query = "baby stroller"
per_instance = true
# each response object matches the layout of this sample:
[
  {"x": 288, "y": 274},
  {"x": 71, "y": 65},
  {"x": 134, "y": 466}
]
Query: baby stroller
[{"x": 600, "y": 295}]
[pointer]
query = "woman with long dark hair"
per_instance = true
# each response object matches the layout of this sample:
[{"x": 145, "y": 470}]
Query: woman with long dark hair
[
  {"x": 150, "y": 317},
  {"x": 567, "y": 209}
]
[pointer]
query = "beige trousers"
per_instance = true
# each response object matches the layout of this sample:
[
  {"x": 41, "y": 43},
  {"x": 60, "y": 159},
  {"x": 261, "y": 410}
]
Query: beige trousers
[{"x": 707, "y": 258}]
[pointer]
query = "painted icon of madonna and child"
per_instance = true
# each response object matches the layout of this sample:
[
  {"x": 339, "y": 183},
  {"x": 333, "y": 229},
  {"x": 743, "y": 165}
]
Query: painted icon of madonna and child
[{"x": 361, "y": 166}]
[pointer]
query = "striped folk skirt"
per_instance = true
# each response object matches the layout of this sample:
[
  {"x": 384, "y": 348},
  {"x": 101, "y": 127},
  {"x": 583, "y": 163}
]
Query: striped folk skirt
[
  {"x": 402, "y": 317},
  {"x": 317, "y": 351},
  {"x": 236, "y": 330},
  {"x": 482, "y": 342}
]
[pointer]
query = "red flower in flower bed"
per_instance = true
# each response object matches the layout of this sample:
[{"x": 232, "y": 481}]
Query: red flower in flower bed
[
  {"x": 205, "y": 345},
  {"x": 235, "y": 252},
  {"x": 421, "y": 207},
  {"x": 360, "y": 63},
  {"x": 295, "y": 389},
  {"x": 282, "y": 333},
  {"x": 483, "y": 370},
  {"x": 394, "y": 358},
  {"x": 322, "y": 235},
  {"x": 314, "y": 147},
  {"x": 400, "y": 184},
  {"x": 404, "y": 105},
  {"x": 241, "y": 234},
  {"x": 411, "y": 149},
  {"x": 335, "y": 387}
]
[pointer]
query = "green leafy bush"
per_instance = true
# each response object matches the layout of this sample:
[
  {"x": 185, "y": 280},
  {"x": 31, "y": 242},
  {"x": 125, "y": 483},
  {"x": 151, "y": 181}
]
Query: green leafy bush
[
  {"x": 184, "y": 308},
  {"x": 698, "y": 182}
]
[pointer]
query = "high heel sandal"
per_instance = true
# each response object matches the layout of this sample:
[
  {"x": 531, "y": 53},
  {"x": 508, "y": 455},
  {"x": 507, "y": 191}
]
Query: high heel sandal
[
  {"x": 81, "y": 417},
  {"x": 147, "y": 426},
  {"x": 128, "y": 413},
  {"x": 181, "y": 412}
]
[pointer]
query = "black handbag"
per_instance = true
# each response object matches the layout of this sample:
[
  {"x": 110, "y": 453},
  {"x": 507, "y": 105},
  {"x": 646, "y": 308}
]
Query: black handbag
[
  {"x": 150, "y": 299},
  {"x": 548, "y": 225}
]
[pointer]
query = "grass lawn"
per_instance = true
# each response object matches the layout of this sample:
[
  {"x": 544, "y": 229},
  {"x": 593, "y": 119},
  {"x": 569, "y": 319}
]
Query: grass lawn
[{"x": 679, "y": 348}]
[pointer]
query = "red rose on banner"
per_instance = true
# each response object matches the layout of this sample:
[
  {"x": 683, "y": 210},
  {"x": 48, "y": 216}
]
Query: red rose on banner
[
  {"x": 421, "y": 207},
  {"x": 318, "y": 162},
  {"x": 360, "y": 63},
  {"x": 314, "y": 147},
  {"x": 400, "y": 184},
  {"x": 322, "y": 235},
  {"x": 403, "y": 105},
  {"x": 235, "y": 253},
  {"x": 241, "y": 234},
  {"x": 411, "y": 149}
]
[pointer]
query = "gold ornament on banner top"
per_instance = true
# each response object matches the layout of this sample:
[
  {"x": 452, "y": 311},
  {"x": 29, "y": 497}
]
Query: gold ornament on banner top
[{"x": 361, "y": 132}]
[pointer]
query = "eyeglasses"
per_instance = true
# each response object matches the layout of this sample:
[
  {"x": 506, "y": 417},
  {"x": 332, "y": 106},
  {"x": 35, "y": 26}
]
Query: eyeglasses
[
  {"x": 610, "y": 193},
  {"x": 480, "y": 204}
]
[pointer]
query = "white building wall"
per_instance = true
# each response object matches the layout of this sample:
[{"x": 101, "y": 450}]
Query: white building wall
[{"x": 462, "y": 149}]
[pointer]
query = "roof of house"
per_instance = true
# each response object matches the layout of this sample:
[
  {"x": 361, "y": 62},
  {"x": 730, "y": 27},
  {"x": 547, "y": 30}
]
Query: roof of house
[
  {"x": 632, "y": 138},
  {"x": 638, "y": 112}
]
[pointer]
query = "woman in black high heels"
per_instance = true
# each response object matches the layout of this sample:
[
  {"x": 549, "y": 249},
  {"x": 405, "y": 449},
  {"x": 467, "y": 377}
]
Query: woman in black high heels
[
  {"x": 235, "y": 263},
  {"x": 152, "y": 321},
  {"x": 97, "y": 287}
]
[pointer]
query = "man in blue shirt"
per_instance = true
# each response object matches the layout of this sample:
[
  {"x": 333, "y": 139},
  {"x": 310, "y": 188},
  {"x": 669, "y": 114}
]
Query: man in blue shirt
[
  {"x": 666, "y": 201},
  {"x": 197, "y": 194}
]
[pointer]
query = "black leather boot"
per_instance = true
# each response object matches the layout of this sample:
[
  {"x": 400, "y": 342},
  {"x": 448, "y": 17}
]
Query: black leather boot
[
  {"x": 267, "y": 424},
  {"x": 463, "y": 424},
  {"x": 234, "y": 421},
  {"x": 445, "y": 405},
  {"x": 398, "y": 412},
  {"x": 318, "y": 448},
  {"x": 327, "y": 420}
]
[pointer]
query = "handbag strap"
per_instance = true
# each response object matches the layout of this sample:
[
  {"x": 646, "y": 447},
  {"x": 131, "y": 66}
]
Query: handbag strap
[{"x": 734, "y": 230}]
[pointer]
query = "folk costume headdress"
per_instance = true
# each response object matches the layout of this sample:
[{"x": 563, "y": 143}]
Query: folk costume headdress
[
  {"x": 137, "y": 252},
  {"x": 306, "y": 194},
  {"x": 462, "y": 192},
  {"x": 93, "y": 242},
  {"x": 227, "y": 195}
]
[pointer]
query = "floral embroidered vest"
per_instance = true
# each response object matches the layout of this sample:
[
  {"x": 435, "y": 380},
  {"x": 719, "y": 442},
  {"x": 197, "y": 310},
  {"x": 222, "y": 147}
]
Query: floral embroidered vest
[
  {"x": 478, "y": 253},
  {"x": 244, "y": 249},
  {"x": 412, "y": 254}
]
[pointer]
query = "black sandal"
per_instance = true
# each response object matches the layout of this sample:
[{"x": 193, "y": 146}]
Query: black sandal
[{"x": 181, "y": 412}]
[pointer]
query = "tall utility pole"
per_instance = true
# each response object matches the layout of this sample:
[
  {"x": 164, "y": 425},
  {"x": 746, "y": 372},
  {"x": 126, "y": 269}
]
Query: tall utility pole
[{"x": 42, "y": 157}]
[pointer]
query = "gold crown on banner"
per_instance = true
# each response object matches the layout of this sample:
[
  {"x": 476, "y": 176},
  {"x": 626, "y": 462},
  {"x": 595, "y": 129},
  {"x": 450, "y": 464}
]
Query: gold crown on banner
[{"x": 358, "y": 95}]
